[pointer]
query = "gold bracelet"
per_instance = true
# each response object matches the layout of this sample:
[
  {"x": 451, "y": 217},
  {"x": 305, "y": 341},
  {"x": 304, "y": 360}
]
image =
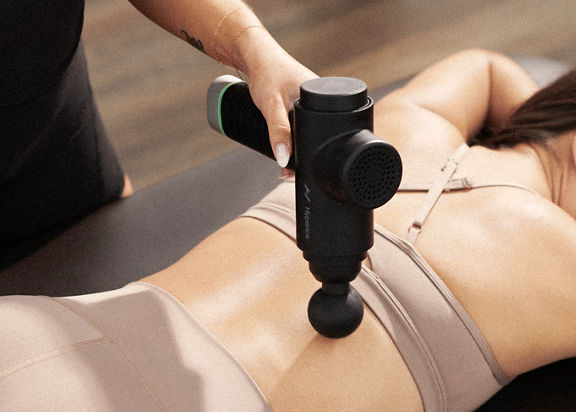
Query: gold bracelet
[
  {"x": 240, "y": 33},
  {"x": 245, "y": 29},
  {"x": 226, "y": 17},
  {"x": 219, "y": 26}
]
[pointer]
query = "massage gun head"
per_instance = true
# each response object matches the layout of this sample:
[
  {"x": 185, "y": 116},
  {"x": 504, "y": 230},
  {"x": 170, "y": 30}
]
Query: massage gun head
[{"x": 335, "y": 311}]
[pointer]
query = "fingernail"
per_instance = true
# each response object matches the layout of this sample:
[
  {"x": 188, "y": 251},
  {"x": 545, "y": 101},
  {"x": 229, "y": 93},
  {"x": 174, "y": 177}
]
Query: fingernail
[{"x": 282, "y": 154}]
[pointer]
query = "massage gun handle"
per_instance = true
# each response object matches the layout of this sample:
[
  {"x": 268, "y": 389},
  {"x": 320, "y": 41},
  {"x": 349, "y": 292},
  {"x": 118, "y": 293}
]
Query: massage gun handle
[{"x": 232, "y": 112}]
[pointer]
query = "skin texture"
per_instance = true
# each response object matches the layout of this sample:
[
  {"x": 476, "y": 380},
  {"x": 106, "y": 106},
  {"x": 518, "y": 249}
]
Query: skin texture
[
  {"x": 506, "y": 254},
  {"x": 259, "y": 313}
]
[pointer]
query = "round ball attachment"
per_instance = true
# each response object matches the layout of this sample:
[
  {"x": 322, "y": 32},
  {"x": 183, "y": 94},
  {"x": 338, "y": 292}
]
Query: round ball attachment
[{"x": 335, "y": 316}]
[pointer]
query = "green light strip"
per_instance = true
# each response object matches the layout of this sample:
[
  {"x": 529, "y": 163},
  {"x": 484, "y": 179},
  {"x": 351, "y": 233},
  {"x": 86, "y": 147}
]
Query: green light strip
[{"x": 220, "y": 108}]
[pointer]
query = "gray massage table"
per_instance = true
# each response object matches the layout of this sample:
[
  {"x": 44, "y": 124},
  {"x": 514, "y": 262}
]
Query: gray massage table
[{"x": 134, "y": 237}]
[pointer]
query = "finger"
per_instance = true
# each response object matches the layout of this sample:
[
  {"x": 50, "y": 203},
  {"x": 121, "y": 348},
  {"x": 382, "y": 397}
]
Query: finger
[{"x": 280, "y": 135}]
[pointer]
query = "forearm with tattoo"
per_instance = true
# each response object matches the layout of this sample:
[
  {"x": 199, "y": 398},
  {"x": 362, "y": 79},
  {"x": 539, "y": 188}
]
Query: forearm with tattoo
[
  {"x": 213, "y": 27},
  {"x": 197, "y": 43}
]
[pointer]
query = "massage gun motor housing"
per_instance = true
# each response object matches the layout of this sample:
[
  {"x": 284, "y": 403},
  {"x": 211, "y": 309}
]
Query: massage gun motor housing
[{"x": 342, "y": 173}]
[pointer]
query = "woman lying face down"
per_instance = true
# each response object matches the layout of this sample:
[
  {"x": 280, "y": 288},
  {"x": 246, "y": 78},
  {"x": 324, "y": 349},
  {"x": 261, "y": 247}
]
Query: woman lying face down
[{"x": 469, "y": 283}]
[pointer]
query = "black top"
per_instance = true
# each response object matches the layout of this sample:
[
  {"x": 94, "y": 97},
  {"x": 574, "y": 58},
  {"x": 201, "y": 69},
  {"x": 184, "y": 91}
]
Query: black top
[
  {"x": 56, "y": 163},
  {"x": 37, "y": 41}
]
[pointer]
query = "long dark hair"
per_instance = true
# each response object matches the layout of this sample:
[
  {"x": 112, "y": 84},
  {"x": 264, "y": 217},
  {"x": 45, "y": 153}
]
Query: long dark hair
[{"x": 549, "y": 112}]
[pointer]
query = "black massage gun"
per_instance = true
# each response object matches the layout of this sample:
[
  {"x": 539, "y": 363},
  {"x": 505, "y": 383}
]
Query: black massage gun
[{"x": 343, "y": 172}]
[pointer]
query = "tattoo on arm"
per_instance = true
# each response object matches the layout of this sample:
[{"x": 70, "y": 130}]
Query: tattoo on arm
[{"x": 193, "y": 41}]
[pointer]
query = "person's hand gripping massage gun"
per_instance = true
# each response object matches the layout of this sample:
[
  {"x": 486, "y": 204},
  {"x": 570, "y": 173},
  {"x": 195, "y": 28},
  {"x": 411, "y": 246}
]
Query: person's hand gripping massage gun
[
  {"x": 232, "y": 34},
  {"x": 343, "y": 172}
]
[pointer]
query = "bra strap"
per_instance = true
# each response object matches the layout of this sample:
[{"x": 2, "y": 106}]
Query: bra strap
[
  {"x": 463, "y": 183},
  {"x": 434, "y": 193}
]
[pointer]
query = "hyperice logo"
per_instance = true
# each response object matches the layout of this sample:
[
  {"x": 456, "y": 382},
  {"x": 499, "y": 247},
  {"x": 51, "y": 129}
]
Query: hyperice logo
[{"x": 307, "y": 212}]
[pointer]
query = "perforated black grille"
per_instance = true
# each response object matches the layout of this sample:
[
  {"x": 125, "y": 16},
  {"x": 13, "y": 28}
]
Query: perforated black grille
[{"x": 374, "y": 176}]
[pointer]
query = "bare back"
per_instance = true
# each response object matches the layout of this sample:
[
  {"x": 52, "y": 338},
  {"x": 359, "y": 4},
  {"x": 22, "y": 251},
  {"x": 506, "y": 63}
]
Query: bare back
[
  {"x": 254, "y": 301},
  {"x": 496, "y": 248}
]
